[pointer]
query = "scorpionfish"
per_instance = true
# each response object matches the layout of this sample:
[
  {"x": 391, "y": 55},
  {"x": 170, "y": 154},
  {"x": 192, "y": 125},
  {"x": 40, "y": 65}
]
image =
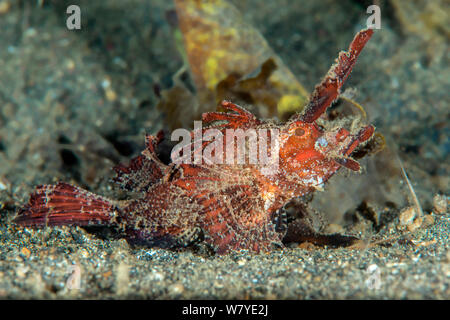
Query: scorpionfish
[{"x": 229, "y": 206}]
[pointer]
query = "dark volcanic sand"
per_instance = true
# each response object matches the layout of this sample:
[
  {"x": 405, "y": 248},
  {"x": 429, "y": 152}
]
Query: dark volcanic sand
[{"x": 75, "y": 103}]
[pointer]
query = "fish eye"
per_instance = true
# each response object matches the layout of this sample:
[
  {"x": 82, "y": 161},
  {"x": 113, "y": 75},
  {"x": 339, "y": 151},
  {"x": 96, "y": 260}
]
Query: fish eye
[{"x": 299, "y": 132}]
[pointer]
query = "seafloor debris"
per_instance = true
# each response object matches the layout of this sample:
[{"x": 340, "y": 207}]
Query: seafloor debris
[
  {"x": 440, "y": 203},
  {"x": 231, "y": 206},
  {"x": 229, "y": 60}
]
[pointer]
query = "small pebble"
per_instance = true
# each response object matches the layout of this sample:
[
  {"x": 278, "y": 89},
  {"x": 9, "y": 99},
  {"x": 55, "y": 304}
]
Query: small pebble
[
  {"x": 415, "y": 224},
  {"x": 106, "y": 83},
  {"x": 407, "y": 216},
  {"x": 110, "y": 95},
  {"x": 242, "y": 262},
  {"x": 428, "y": 220},
  {"x": 26, "y": 252},
  {"x": 70, "y": 65},
  {"x": 440, "y": 203},
  {"x": 176, "y": 288}
]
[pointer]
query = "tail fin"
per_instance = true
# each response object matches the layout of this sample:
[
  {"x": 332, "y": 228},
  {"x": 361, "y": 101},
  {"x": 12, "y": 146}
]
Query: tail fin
[{"x": 64, "y": 204}]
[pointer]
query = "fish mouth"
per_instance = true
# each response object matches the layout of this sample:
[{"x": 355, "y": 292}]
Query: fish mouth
[{"x": 363, "y": 135}]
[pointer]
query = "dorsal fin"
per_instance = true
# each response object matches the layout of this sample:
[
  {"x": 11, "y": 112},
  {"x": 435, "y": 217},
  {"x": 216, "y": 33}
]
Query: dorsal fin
[
  {"x": 240, "y": 119},
  {"x": 329, "y": 89},
  {"x": 143, "y": 170}
]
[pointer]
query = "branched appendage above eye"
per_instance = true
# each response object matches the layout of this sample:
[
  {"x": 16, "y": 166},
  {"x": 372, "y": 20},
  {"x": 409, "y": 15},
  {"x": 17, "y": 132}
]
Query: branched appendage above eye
[{"x": 328, "y": 90}]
